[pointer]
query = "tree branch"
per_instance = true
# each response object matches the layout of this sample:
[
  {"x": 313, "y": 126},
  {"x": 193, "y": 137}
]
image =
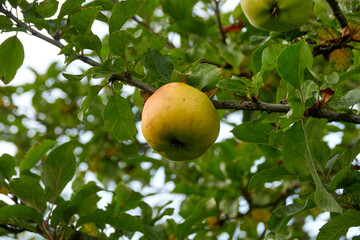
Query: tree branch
[
  {"x": 43, "y": 37},
  {"x": 236, "y": 105},
  {"x": 132, "y": 81},
  {"x": 338, "y": 13},
  {"x": 218, "y": 20},
  {"x": 331, "y": 116},
  {"x": 251, "y": 106},
  {"x": 28, "y": 28}
]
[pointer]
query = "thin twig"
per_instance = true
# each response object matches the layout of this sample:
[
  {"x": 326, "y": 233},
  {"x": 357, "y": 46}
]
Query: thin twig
[
  {"x": 28, "y": 28},
  {"x": 236, "y": 105},
  {"x": 143, "y": 24},
  {"x": 338, "y": 13},
  {"x": 132, "y": 81},
  {"x": 218, "y": 20},
  {"x": 43, "y": 37}
]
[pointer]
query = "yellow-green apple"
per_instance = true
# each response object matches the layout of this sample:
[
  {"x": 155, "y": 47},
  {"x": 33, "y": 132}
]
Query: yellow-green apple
[
  {"x": 179, "y": 122},
  {"x": 277, "y": 15}
]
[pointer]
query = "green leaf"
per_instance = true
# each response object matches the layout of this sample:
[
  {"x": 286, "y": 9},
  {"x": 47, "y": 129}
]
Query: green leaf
[
  {"x": 83, "y": 202},
  {"x": 270, "y": 57},
  {"x": 5, "y": 23},
  {"x": 323, "y": 199},
  {"x": 200, "y": 27},
  {"x": 126, "y": 198},
  {"x": 293, "y": 61},
  {"x": 254, "y": 131},
  {"x": 13, "y": 3},
  {"x": 29, "y": 190},
  {"x": 256, "y": 83},
  {"x": 83, "y": 20},
  {"x": 119, "y": 118},
  {"x": 89, "y": 41},
  {"x": 344, "y": 178},
  {"x": 166, "y": 212},
  {"x": 146, "y": 213},
  {"x": 294, "y": 150},
  {"x": 308, "y": 88},
  {"x": 122, "y": 12},
  {"x": 179, "y": 9},
  {"x": 3, "y": 204},
  {"x": 57, "y": 215},
  {"x": 235, "y": 85},
  {"x": 47, "y": 8},
  {"x": 333, "y": 78},
  {"x": 203, "y": 209},
  {"x": 339, "y": 225},
  {"x": 89, "y": 99},
  {"x": 35, "y": 153},
  {"x": 107, "y": 4},
  {"x": 11, "y": 58},
  {"x": 351, "y": 71},
  {"x": 297, "y": 109},
  {"x": 268, "y": 175},
  {"x": 69, "y": 7},
  {"x": 350, "y": 154},
  {"x": 10, "y": 212},
  {"x": 204, "y": 75},
  {"x": 58, "y": 169},
  {"x": 149, "y": 41},
  {"x": 7, "y": 166},
  {"x": 119, "y": 41},
  {"x": 231, "y": 54},
  {"x": 351, "y": 98},
  {"x": 123, "y": 221},
  {"x": 256, "y": 58},
  {"x": 98, "y": 72},
  {"x": 156, "y": 232},
  {"x": 160, "y": 67},
  {"x": 73, "y": 77},
  {"x": 282, "y": 215}
]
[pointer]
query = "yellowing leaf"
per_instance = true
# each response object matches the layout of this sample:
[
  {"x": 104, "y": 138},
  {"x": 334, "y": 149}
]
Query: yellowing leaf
[
  {"x": 328, "y": 34},
  {"x": 212, "y": 221},
  {"x": 91, "y": 229},
  {"x": 3, "y": 190},
  {"x": 262, "y": 215},
  {"x": 354, "y": 31},
  {"x": 172, "y": 237},
  {"x": 341, "y": 59}
]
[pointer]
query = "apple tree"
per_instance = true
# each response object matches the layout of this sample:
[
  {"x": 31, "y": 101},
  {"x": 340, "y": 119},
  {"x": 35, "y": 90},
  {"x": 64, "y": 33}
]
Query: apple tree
[{"x": 82, "y": 170}]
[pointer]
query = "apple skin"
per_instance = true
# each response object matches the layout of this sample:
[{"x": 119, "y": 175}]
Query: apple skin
[
  {"x": 179, "y": 122},
  {"x": 277, "y": 15}
]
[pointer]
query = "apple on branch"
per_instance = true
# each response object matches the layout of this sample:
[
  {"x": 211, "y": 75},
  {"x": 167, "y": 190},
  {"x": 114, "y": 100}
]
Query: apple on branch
[
  {"x": 180, "y": 122},
  {"x": 277, "y": 15}
]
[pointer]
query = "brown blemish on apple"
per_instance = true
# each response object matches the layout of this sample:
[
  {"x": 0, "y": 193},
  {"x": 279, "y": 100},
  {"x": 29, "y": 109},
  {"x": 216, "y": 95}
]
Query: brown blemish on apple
[{"x": 176, "y": 143}]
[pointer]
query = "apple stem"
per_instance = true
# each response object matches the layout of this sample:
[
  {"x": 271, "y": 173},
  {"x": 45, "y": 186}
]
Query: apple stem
[{"x": 275, "y": 11}]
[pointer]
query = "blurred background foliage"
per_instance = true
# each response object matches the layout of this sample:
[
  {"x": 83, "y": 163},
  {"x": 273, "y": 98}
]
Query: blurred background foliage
[{"x": 213, "y": 197}]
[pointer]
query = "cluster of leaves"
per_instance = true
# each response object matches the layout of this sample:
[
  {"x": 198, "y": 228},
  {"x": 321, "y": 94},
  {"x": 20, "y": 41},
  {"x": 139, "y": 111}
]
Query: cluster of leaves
[{"x": 85, "y": 124}]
